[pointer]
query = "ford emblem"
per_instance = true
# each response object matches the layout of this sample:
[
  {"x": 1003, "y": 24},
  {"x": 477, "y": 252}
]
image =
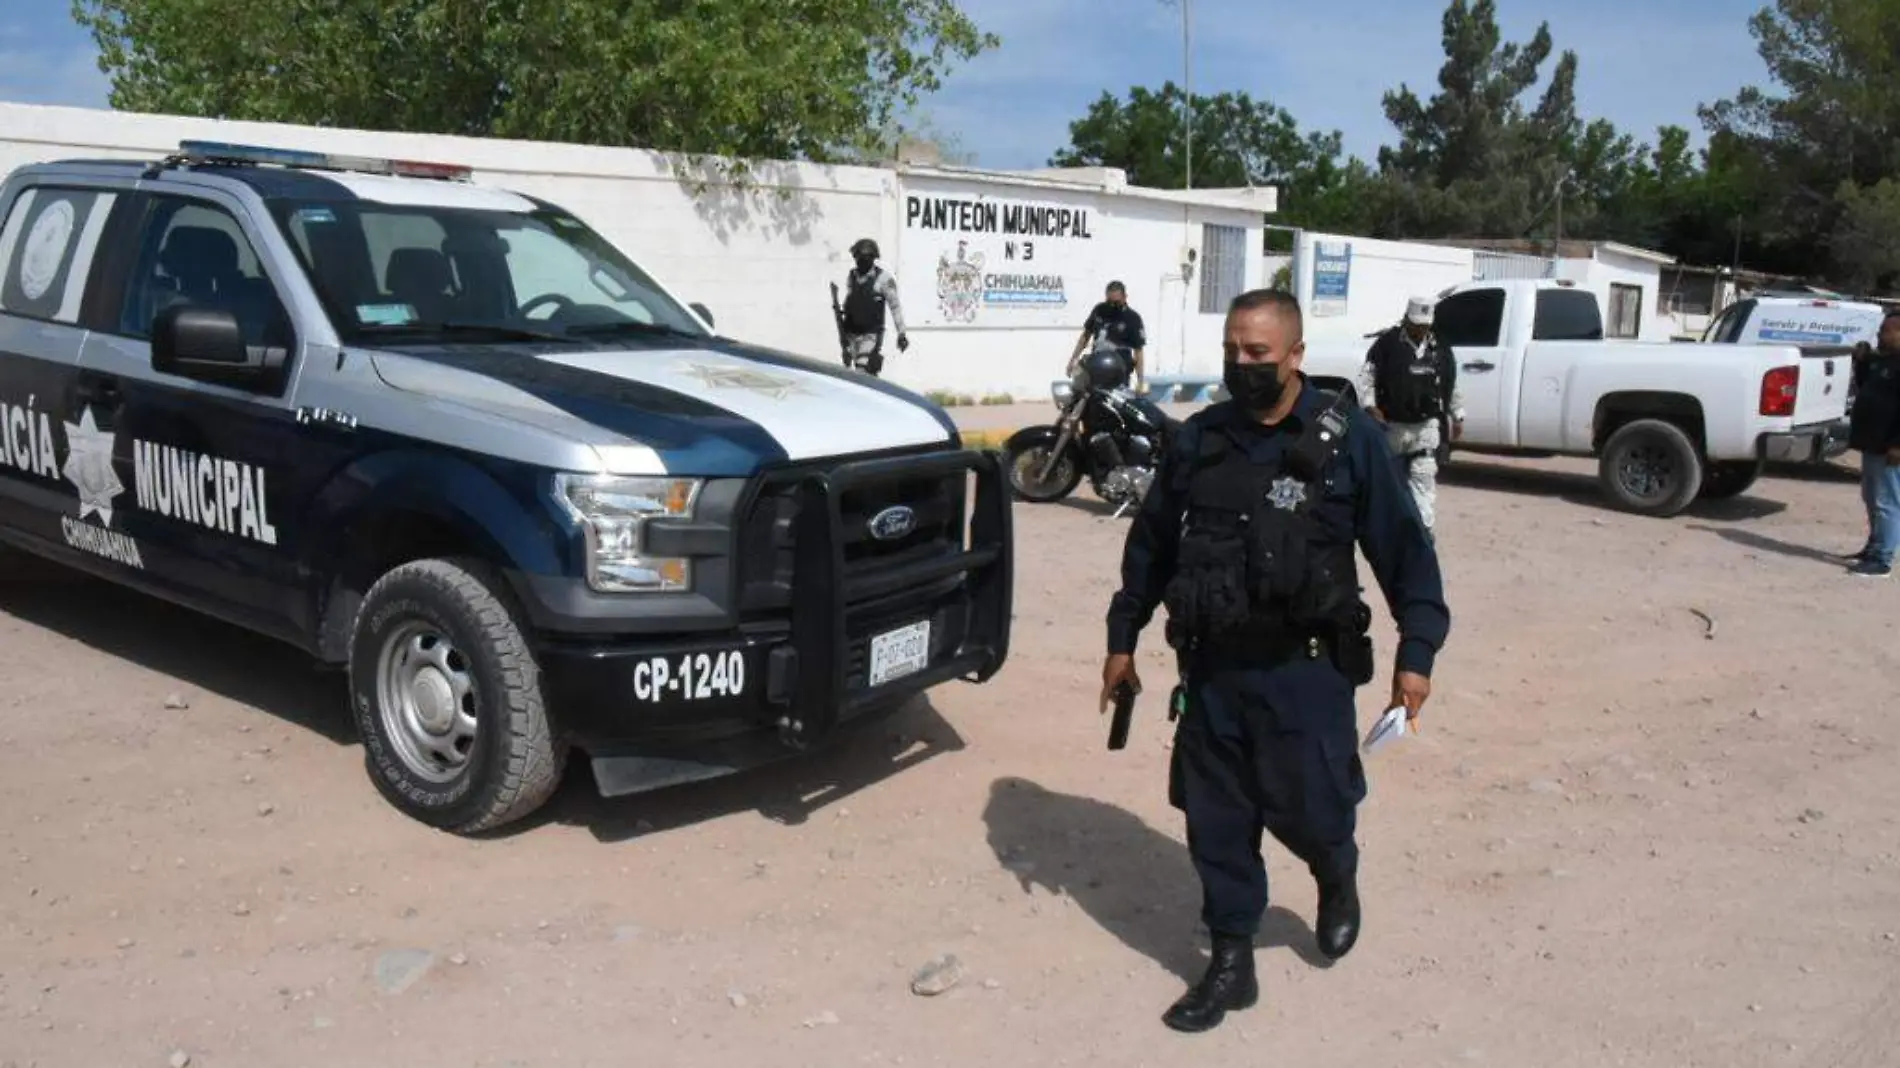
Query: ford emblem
[{"x": 892, "y": 523}]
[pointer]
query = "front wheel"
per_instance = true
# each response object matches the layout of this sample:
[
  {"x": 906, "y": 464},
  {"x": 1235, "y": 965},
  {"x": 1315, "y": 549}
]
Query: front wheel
[
  {"x": 447, "y": 699},
  {"x": 1025, "y": 461},
  {"x": 1651, "y": 467},
  {"x": 1730, "y": 478}
]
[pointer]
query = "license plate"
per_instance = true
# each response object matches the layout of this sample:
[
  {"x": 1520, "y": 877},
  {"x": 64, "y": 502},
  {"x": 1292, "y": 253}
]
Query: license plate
[{"x": 900, "y": 652}]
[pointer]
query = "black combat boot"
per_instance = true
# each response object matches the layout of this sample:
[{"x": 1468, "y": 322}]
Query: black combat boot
[
  {"x": 1338, "y": 926},
  {"x": 1228, "y": 984}
]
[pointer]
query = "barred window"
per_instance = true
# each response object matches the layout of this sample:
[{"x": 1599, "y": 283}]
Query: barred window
[{"x": 1223, "y": 266}]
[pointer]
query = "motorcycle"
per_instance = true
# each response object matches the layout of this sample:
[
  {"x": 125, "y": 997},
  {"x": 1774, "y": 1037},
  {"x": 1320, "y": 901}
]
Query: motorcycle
[{"x": 1103, "y": 432}]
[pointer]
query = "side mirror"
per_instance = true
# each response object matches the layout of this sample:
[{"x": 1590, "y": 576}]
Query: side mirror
[
  {"x": 207, "y": 344},
  {"x": 704, "y": 312}
]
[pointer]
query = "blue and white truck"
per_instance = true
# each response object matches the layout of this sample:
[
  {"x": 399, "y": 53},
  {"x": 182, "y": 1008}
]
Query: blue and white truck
[{"x": 449, "y": 439}]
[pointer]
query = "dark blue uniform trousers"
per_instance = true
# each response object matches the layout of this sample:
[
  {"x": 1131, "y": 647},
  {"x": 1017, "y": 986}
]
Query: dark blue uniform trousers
[{"x": 1273, "y": 748}]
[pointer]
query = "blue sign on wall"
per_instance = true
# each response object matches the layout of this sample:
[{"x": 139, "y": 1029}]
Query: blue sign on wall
[{"x": 1332, "y": 277}]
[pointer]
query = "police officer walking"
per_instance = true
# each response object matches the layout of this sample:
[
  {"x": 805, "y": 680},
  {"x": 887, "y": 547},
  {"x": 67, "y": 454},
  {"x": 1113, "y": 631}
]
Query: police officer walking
[
  {"x": 1247, "y": 536},
  {"x": 1410, "y": 383},
  {"x": 869, "y": 290}
]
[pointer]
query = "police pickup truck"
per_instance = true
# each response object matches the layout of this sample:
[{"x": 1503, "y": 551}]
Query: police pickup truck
[{"x": 450, "y": 439}]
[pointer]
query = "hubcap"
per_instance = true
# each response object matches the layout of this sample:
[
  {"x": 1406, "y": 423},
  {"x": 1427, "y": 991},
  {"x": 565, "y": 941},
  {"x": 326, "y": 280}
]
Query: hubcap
[
  {"x": 426, "y": 700},
  {"x": 1646, "y": 472}
]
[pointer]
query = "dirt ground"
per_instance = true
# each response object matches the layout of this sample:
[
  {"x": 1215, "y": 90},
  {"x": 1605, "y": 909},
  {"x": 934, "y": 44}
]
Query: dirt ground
[{"x": 1620, "y": 840}]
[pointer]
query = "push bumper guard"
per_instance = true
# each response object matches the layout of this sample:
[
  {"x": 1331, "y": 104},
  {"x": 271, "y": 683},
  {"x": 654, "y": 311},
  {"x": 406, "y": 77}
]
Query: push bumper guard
[
  {"x": 812, "y": 688},
  {"x": 807, "y": 679}
]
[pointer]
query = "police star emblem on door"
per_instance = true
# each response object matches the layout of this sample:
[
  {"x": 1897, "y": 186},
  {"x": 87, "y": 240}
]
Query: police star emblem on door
[
  {"x": 89, "y": 467},
  {"x": 1286, "y": 494}
]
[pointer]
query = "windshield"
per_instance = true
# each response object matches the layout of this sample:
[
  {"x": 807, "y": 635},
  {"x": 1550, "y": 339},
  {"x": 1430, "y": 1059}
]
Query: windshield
[{"x": 389, "y": 271}]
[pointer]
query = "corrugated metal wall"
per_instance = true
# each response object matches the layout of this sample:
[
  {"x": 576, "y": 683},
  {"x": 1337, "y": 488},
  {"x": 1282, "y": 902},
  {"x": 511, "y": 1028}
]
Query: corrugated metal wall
[{"x": 1501, "y": 266}]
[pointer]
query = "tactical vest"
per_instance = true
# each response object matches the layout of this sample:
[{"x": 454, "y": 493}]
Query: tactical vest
[
  {"x": 1410, "y": 386},
  {"x": 1255, "y": 569},
  {"x": 863, "y": 303}
]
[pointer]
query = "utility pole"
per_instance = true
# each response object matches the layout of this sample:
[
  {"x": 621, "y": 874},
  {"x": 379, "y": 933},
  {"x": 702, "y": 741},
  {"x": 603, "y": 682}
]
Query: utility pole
[
  {"x": 1187, "y": 76},
  {"x": 1557, "y": 244}
]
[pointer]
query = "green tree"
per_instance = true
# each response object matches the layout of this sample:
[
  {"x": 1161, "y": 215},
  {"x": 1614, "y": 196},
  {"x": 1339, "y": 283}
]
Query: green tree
[
  {"x": 1802, "y": 156},
  {"x": 1237, "y": 141},
  {"x": 799, "y": 79},
  {"x": 1472, "y": 123},
  {"x": 1865, "y": 244}
]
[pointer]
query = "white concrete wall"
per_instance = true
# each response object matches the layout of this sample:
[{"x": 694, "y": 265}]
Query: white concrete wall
[
  {"x": 761, "y": 258},
  {"x": 994, "y": 338},
  {"x": 1382, "y": 276}
]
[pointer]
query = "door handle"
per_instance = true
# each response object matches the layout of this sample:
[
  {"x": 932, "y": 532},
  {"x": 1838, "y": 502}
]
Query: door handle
[
  {"x": 97, "y": 390},
  {"x": 1480, "y": 365}
]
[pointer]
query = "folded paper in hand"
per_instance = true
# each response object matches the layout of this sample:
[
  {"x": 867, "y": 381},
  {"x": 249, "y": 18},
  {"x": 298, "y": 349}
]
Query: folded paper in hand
[{"x": 1390, "y": 728}]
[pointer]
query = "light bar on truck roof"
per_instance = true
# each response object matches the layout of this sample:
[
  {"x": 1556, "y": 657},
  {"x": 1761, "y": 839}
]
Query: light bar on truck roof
[{"x": 220, "y": 152}]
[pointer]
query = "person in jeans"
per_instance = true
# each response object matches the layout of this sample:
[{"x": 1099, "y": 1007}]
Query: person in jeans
[{"x": 1874, "y": 432}]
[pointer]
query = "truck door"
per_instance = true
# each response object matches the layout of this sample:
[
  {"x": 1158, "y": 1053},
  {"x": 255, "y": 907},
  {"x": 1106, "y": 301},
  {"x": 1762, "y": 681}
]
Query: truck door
[
  {"x": 204, "y": 466},
  {"x": 50, "y": 478},
  {"x": 1472, "y": 323}
]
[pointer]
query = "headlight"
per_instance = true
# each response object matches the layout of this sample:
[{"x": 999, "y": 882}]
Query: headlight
[
  {"x": 1062, "y": 392},
  {"x": 613, "y": 512}
]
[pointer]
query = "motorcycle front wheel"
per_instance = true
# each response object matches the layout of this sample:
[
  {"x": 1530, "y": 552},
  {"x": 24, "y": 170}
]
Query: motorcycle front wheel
[{"x": 1025, "y": 463}]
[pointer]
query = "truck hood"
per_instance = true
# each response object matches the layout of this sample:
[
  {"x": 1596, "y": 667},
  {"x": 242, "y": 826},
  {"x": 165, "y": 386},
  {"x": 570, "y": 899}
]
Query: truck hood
[{"x": 708, "y": 408}]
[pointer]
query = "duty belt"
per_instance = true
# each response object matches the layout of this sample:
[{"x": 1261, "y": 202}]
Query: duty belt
[{"x": 1264, "y": 645}]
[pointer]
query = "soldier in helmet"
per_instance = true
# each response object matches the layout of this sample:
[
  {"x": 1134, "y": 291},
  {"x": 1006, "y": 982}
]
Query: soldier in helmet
[{"x": 869, "y": 290}]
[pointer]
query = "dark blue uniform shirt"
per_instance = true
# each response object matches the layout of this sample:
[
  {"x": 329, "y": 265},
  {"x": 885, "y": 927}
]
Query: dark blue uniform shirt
[{"x": 1362, "y": 499}]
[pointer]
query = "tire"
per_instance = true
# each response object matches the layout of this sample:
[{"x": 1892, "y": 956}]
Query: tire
[
  {"x": 1032, "y": 454},
  {"x": 1651, "y": 467},
  {"x": 444, "y": 628},
  {"x": 1729, "y": 478}
]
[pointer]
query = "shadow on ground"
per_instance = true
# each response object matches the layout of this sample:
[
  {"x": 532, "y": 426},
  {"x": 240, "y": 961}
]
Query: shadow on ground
[
  {"x": 200, "y": 652},
  {"x": 211, "y": 656},
  {"x": 864, "y": 754},
  {"x": 1579, "y": 489},
  {"x": 1133, "y": 880},
  {"x": 1083, "y": 500},
  {"x": 1748, "y": 539},
  {"x": 1832, "y": 471}
]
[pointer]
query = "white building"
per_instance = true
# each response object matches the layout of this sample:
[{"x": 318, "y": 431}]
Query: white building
[
  {"x": 1353, "y": 286},
  {"x": 1626, "y": 279},
  {"x": 997, "y": 270}
]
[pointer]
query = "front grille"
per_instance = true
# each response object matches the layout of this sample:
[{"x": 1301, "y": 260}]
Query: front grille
[{"x": 767, "y": 559}]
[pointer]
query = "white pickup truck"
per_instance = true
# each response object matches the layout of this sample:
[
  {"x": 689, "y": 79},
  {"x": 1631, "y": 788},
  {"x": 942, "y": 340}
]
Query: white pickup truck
[{"x": 1669, "y": 423}]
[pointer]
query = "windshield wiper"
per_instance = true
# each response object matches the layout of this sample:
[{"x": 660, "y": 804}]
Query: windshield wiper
[
  {"x": 492, "y": 330},
  {"x": 631, "y": 326}
]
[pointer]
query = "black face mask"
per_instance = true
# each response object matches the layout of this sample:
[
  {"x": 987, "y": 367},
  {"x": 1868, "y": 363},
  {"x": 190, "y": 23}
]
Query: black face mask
[
  {"x": 865, "y": 262},
  {"x": 1254, "y": 386}
]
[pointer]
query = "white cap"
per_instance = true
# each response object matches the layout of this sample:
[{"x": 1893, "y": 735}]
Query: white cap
[{"x": 1419, "y": 310}]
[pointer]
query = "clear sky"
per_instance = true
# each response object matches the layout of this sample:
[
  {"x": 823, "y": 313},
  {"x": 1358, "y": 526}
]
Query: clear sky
[{"x": 1643, "y": 63}]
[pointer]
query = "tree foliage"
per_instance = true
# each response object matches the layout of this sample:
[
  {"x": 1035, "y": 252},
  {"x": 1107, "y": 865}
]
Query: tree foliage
[
  {"x": 799, "y": 79},
  {"x": 1237, "y": 141},
  {"x": 1813, "y": 155},
  {"x": 1805, "y": 179}
]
